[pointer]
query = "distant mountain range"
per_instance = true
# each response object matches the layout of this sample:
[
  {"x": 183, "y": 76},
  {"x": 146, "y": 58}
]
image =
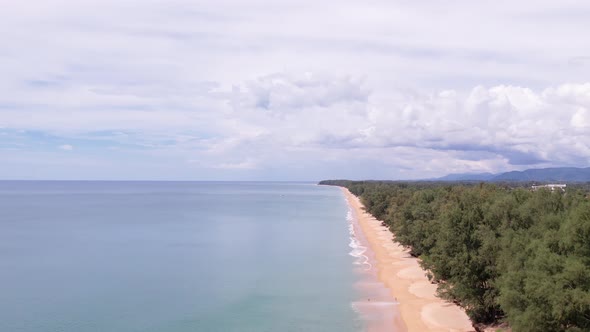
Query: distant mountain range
[
  {"x": 556, "y": 174},
  {"x": 467, "y": 177}
]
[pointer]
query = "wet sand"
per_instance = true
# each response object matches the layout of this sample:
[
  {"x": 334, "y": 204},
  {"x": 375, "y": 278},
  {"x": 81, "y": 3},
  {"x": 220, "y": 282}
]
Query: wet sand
[{"x": 415, "y": 307}]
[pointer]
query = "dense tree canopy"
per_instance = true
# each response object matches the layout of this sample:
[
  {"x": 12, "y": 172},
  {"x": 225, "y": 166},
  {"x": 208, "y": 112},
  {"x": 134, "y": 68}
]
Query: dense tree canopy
[{"x": 504, "y": 253}]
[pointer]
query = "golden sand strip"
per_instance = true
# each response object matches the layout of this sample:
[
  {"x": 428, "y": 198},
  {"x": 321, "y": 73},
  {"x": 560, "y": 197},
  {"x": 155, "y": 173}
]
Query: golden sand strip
[{"x": 419, "y": 307}]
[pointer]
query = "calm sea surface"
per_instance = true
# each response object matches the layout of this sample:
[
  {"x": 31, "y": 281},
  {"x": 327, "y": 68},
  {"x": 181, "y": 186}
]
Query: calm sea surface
[{"x": 174, "y": 256}]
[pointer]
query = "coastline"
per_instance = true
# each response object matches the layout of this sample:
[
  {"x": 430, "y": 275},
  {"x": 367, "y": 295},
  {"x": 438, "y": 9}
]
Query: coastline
[{"x": 401, "y": 273}]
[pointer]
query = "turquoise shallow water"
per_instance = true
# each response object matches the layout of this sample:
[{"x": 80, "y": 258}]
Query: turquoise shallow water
[{"x": 174, "y": 256}]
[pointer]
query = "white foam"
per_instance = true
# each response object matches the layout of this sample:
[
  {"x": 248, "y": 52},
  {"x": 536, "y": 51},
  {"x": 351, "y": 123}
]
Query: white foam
[
  {"x": 374, "y": 311},
  {"x": 373, "y": 303},
  {"x": 358, "y": 251}
]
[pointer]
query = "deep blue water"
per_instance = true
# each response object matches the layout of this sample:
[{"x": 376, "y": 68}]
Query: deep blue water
[{"x": 174, "y": 256}]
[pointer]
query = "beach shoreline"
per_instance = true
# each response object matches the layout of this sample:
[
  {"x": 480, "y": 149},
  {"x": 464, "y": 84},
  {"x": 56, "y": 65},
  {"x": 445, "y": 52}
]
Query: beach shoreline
[{"x": 419, "y": 308}]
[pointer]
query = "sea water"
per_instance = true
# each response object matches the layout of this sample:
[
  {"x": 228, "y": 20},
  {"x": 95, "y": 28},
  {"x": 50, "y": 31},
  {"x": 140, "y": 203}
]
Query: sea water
[{"x": 175, "y": 256}]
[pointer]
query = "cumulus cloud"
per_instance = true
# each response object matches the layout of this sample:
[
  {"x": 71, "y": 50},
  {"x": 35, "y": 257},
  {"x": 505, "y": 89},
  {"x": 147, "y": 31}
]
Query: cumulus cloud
[
  {"x": 283, "y": 93},
  {"x": 516, "y": 125}
]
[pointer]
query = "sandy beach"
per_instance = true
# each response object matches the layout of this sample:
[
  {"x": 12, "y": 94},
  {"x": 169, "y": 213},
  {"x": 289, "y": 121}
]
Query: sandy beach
[{"x": 418, "y": 306}]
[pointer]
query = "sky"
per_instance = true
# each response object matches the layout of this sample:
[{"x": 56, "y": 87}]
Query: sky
[{"x": 291, "y": 90}]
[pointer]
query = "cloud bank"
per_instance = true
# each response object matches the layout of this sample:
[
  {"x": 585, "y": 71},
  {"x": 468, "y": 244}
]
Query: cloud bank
[{"x": 254, "y": 90}]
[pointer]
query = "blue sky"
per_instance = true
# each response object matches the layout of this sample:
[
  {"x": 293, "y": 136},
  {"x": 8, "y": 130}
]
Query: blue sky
[{"x": 291, "y": 90}]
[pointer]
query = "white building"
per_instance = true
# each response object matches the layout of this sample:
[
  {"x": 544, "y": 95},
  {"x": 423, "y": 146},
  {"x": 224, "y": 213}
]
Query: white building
[{"x": 551, "y": 186}]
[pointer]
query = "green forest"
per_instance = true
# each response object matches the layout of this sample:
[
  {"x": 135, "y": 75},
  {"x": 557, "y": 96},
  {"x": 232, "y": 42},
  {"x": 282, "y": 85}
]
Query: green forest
[{"x": 504, "y": 253}]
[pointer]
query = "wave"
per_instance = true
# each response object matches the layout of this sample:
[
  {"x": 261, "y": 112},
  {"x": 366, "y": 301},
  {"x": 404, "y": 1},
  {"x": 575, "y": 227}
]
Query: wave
[{"x": 358, "y": 250}]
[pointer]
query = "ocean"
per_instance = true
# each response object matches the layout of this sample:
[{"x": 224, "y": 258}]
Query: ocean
[{"x": 175, "y": 256}]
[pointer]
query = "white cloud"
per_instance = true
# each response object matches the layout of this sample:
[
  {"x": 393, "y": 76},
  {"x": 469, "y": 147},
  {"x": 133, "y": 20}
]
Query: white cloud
[
  {"x": 66, "y": 147},
  {"x": 581, "y": 119},
  {"x": 246, "y": 164}
]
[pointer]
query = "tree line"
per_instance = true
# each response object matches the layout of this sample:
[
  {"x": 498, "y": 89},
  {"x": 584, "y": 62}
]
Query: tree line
[{"x": 504, "y": 253}]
